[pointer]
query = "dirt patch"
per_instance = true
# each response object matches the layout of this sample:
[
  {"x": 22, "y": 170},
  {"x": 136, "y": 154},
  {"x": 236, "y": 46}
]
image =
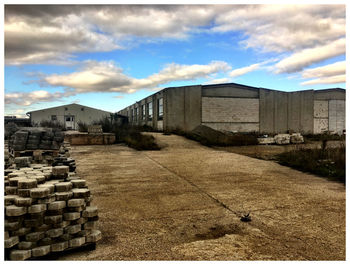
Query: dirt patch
[
  {"x": 219, "y": 231},
  {"x": 154, "y": 205}
]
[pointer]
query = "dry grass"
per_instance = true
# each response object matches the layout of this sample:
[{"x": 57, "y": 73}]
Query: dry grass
[{"x": 329, "y": 163}]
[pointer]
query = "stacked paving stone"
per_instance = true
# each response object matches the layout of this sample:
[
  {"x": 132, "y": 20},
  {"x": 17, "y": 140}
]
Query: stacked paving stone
[
  {"x": 32, "y": 138},
  {"x": 64, "y": 159},
  {"x": 7, "y": 157},
  {"x": 47, "y": 209}
]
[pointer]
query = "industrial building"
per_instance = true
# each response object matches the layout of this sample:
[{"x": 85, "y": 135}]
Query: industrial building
[
  {"x": 68, "y": 115},
  {"x": 239, "y": 108}
]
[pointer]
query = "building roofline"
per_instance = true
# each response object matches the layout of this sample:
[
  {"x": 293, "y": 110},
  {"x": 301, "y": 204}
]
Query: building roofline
[
  {"x": 330, "y": 89},
  {"x": 67, "y": 105}
]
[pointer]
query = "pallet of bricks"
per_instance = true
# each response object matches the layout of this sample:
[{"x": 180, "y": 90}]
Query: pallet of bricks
[
  {"x": 40, "y": 143},
  {"x": 47, "y": 210}
]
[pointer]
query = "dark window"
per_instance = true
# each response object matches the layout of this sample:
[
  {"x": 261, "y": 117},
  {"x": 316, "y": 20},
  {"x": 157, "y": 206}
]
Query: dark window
[
  {"x": 136, "y": 114},
  {"x": 160, "y": 108},
  {"x": 65, "y": 108},
  {"x": 53, "y": 117},
  {"x": 82, "y": 109},
  {"x": 150, "y": 111}
]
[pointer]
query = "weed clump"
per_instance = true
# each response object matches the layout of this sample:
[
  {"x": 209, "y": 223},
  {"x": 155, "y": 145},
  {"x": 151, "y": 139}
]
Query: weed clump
[{"x": 329, "y": 163}]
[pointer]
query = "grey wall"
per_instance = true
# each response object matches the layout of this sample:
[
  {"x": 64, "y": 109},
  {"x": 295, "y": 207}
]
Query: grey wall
[
  {"x": 182, "y": 107},
  {"x": 283, "y": 111},
  {"x": 301, "y": 111},
  {"x": 273, "y": 111},
  {"x": 242, "y": 108}
]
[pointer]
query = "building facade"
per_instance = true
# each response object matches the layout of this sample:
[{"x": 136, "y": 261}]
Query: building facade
[
  {"x": 239, "y": 108},
  {"x": 68, "y": 115}
]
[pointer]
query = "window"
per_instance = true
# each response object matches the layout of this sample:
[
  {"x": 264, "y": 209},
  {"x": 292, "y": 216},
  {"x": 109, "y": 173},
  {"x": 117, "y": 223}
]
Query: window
[
  {"x": 150, "y": 111},
  {"x": 160, "y": 108},
  {"x": 54, "y": 117},
  {"x": 143, "y": 108},
  {"x": 65, "y": 108},
  {"x": 132, "y": 114},
  {"x": 82, "y": 109},
  {"x": 137, "y": 113}
]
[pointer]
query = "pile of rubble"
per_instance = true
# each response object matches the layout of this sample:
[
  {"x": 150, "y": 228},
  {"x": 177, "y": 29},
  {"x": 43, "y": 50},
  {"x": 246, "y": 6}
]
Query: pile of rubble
[
  {"x": 32, "y": 138},
  {"x": 280, "y": 139}
]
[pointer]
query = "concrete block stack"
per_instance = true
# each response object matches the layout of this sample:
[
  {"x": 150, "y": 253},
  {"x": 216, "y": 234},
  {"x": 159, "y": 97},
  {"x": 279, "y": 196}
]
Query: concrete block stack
[
  {"x": 47, "y": 209},
  {"x": 296, "y": 138},
  {"x": 282, "y": 138},
  {"x": 64, "y": 159},
  {"x": 32, "y": 138}
]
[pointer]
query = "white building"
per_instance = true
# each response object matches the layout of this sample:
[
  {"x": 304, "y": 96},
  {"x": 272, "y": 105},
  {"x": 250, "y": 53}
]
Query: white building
[{"x": 68, "y": 115}]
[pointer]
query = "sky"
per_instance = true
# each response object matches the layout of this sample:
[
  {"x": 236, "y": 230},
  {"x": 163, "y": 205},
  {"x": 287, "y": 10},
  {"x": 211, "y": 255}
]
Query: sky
[{"x": 110, "y": 56}]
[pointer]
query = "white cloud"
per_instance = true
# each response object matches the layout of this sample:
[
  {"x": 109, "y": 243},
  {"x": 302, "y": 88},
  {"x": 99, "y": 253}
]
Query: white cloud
[
  {"x": 54, "y": 34},
  {"x": 29, "y": 98},
  {"x": 244, "y": 70},
  {"x": 217, "y": 81},
  {"x": 337, "y": 68},
  {"x": 27, "y": 42},
  {"x": 307, "y": 57},
  {"x": 106, "y": 77},
  {"x": 95, "y": 76},
  {"x": 327, "y": 74},
  {"x": 281, "y": 28},
  {"x": 326, "y": 80}
]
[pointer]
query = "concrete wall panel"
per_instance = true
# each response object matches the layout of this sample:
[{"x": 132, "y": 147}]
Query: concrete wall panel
[
  {"x": 230, "y": 109},
  {"x": 193, "y": 107},
  {"x": 280, "y": 112},
  {"x": 337, "y": 116},
  {"x": 320, "y": 125},
  {"x": 160, "y": 125},
  {"x": 329, "y": 94},
  {"x": 321, "y": 109},
  {"x": 266, "y": 111},
  {"x": 174, "y": 108},
  {"x": 233, "y": 127}
]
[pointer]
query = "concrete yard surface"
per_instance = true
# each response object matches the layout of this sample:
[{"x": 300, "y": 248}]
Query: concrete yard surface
[{"x": 185, "y": 201}]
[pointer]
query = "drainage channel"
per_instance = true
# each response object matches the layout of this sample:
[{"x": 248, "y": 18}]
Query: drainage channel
[{"x": 216, "y": 200}]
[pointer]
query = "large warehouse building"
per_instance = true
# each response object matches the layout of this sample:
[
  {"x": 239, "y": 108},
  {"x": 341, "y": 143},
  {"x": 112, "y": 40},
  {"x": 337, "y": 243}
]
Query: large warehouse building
[
  {"x": 240, "y": 108},
  {"x": 68, "y": 115}
]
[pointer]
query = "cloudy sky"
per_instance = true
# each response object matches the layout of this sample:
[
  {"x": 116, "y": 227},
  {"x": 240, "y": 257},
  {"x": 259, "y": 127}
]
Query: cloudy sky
[{"x": 110, "y": 56}]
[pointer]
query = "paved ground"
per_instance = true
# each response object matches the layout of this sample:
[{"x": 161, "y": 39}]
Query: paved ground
[{"x": 184, "y": 203}]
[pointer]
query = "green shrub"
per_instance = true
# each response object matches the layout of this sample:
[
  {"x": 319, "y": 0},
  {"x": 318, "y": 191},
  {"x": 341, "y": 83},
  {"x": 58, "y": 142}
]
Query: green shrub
[
  {"x": 140, "y": 141},
  {"x": 324, "y": 137},
  {"x": 82, "y": 126},
  {"x": 107, "y": 124}
]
